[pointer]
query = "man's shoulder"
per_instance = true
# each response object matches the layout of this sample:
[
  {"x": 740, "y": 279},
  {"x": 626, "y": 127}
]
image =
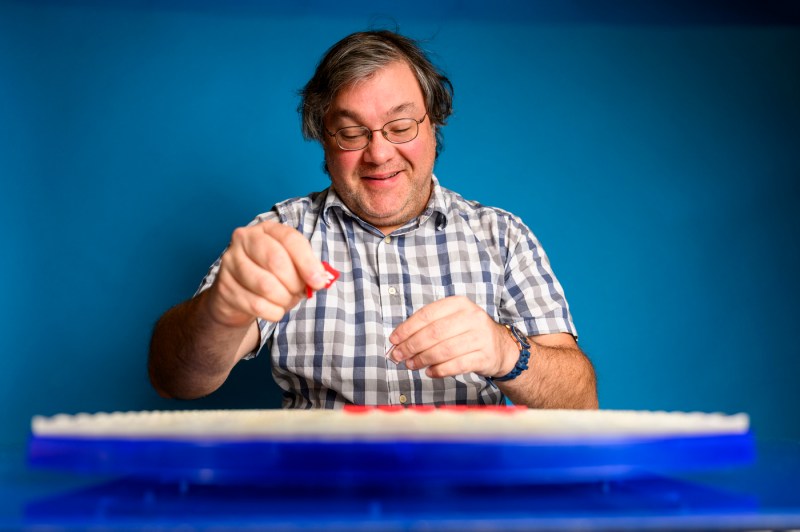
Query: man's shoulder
[
  {"x": 301, "y": 202},
  {"x": 292, "y": 211},
  {"x": 467, "y": 209}
]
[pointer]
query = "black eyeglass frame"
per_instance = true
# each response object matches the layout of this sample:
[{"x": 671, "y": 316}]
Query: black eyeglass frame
[{"x": 382, "y": 129}]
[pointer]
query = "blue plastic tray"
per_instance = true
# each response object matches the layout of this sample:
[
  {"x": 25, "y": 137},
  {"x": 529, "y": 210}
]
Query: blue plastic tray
[{"x": 208, "y": 461}]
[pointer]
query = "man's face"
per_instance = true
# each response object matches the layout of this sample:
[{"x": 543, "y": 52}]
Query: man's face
[{"x": 385, "y": 184}]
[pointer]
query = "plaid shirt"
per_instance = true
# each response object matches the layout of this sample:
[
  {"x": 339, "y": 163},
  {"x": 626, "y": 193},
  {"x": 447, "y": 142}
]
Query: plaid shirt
[{"x": 330, "y": 350}]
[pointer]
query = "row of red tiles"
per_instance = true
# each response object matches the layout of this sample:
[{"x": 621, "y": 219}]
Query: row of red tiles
[{"x": 361, "y": 409}]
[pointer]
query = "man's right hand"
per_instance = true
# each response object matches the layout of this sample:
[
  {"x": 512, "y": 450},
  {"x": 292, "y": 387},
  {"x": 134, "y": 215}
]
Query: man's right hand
[{"x": 263, "y": 274}]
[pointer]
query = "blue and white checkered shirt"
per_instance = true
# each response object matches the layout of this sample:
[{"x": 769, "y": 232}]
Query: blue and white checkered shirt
[{"x": 330, "y": 349}]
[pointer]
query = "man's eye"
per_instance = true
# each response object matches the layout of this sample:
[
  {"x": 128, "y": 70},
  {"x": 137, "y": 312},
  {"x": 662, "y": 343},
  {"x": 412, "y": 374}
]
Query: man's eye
[{"x": 351, "y": 135}]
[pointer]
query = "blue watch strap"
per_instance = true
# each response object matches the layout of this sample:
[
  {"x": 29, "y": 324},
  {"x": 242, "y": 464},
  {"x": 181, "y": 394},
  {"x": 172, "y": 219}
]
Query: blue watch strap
[{"x": 524, "y": 355}]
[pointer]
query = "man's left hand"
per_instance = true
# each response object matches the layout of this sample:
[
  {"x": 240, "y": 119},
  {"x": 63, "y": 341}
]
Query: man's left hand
[{"x": 454, "y": 336}]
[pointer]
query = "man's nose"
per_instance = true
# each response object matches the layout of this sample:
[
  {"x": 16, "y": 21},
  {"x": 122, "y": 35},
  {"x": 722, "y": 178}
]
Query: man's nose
[{"x": 379, "y": 150}]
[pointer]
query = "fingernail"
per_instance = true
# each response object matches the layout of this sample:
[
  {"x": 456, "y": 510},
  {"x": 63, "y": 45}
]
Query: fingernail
[
  {"x": 389, "y": 354},
  {"x": 397, "y": 354},
  {"x": 410, "y": 364},
  {"x": 319, "y": 280}
]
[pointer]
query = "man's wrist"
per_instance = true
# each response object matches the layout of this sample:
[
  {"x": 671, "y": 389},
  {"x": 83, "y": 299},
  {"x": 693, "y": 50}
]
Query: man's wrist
[
  {"x": 523, "y": 347},
  {"x": 206, "y": 306}
]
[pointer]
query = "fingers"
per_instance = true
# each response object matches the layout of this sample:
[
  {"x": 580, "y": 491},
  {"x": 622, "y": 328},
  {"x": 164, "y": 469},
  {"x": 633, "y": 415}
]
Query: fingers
[
  {"x": 442, "y": 352},
  {"x": 426, "y": 316},
  {"x": 284, "y": 252},
  {"x": 456, "y": 366},
  {"x": 235, "y": 305},
  {"x": 452, "y": 336},
  {"x": 456, "y": 355},
  {"x": 264, "y": 273},
  {"x": 434, "y": 333},
  {"x": 257, "y": 290}
]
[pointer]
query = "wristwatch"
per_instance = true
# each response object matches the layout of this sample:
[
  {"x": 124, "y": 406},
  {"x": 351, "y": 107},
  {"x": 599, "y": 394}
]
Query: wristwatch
[{"x": 524, "y": 354}]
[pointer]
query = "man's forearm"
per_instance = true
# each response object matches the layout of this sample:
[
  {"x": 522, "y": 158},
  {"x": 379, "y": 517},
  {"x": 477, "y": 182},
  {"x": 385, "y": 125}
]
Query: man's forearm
[
  {"x": 557, "y": 377},
  {"x": 190, "y": 354}
]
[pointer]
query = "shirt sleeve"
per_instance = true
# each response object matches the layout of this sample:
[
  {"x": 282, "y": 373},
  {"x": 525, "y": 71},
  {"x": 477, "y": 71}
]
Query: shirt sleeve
[{"x": 533, "y": 295}]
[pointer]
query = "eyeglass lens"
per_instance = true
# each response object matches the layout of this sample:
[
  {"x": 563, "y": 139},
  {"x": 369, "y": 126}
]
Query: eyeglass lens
[{"x": 397, "y": 132}]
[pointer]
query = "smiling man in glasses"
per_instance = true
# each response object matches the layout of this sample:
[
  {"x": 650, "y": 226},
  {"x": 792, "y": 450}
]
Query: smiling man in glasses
[{"x": 440, "y": 301}]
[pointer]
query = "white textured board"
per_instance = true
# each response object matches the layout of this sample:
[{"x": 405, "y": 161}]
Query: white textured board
[{"x": 367, "y": 423}]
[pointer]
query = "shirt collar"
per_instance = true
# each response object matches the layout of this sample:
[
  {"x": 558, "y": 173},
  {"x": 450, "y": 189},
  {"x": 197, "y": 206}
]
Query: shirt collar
[{"x": 436, "y": 206}]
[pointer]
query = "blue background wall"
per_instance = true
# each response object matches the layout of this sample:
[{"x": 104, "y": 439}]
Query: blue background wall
[{"x": 655, "y": 153}]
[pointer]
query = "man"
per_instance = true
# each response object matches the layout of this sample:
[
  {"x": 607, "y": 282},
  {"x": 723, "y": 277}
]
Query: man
[{"x": 459, "y": 295}]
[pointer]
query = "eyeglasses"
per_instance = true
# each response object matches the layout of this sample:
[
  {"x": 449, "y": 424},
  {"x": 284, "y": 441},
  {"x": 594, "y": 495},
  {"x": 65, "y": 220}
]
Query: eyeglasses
[{"x": 398, "y": 131}]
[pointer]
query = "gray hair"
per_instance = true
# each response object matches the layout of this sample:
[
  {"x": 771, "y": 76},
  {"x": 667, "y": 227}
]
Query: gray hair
[{"x": 357, "y": 57}]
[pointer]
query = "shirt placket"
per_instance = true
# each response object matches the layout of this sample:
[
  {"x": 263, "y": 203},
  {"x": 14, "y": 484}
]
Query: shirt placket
[{"x": 392, "y": 309}]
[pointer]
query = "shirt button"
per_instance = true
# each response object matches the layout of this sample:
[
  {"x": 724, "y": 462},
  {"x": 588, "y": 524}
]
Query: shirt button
[
  {"x": 403, "y": 399},
  {"x": 392, "y": 290},
  {"x": 388, "y": 239}
]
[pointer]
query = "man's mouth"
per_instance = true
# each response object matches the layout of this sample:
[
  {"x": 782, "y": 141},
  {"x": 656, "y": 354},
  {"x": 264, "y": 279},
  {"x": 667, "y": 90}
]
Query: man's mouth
[{"x": 382, "y": 177}]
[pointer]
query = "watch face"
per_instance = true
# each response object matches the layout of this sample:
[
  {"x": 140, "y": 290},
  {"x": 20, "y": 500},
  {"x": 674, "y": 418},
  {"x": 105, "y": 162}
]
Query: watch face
[{"x": 519, "y": 336}]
